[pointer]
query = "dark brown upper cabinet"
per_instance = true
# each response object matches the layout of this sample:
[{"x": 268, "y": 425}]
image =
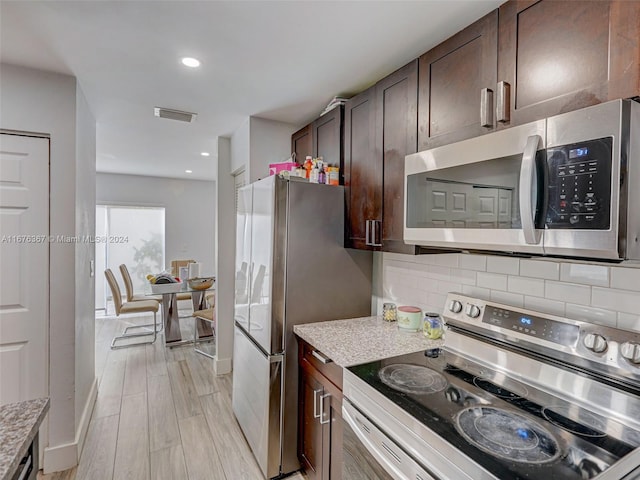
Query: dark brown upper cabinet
[
  {"x": 327, "y": 137},
  {"x": 455, "y": 82},
  {"x": 302, "y": 144},
  {"x": 362, "y": 172},
  {"x": 396, "y": 108},
  {"x": 559, "y": 56}
]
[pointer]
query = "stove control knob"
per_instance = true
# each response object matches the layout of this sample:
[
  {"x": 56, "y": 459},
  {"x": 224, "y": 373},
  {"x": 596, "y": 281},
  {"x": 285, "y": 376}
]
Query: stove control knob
[
  {"x": 594, "y": 342},
  {"x": 631, "y": 351},
  {"x": 455, "y": 306},
  {"x": 472, "y": 310}
]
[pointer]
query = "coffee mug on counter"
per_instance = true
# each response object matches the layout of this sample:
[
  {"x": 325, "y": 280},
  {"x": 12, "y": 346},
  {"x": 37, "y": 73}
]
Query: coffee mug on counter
[{"x": 409, "y": 318}]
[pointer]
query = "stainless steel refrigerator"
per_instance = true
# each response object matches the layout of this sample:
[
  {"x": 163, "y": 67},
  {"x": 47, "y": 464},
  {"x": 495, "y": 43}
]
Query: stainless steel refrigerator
[{"x": 291, "y": 268}]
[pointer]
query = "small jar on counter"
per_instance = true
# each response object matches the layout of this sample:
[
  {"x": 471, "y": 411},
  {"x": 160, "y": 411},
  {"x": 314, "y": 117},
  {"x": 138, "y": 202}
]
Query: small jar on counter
[
  {"x": 432, "y": 326},
  {"x": 389, "y": 312}
]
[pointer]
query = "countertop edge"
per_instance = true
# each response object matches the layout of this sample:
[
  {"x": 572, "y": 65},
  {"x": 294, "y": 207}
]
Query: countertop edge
[{"x": 19, "y": 453}]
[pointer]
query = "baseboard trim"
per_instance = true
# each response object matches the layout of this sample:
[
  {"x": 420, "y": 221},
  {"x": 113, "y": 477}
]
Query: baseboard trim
[
  {"x": 63, "y": 457},
  {"x": 222, "y": 366}
]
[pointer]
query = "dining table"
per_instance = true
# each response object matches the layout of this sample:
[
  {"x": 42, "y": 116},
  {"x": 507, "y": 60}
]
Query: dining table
[{"x": 171, "y": 317}]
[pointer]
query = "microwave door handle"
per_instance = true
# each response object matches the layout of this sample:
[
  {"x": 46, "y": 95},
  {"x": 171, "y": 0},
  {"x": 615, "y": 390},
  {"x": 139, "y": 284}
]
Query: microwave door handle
[{"x": 528, "y": 190}]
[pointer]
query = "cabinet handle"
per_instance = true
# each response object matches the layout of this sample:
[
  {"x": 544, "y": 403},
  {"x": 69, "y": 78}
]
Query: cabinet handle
[
  {"x": 486, "y": 107},
  {"x": 367, "y": 231},
  {"x": 503, "y": 102},
  {"x": 321, "y": 357},
  {"x": 322, "y": 397},
  {"x": 315, "y": 404},
  {"x": 377, "y": 226}
]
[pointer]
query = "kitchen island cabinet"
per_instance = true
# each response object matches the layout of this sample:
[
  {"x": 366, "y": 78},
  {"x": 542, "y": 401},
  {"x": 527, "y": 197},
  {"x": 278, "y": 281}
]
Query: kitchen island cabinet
[{"x": 320, "y": 415}]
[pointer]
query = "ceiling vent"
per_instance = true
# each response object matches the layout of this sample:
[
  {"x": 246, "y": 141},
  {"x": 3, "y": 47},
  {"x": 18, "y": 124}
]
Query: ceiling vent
[{"x": 174, "y": 114}]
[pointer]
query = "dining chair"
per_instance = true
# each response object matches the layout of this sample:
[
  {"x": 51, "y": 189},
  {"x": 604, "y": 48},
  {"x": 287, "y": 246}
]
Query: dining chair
[
  {"x": 208, "y": 315},
  {"x": 131, "y": 307},
  {"x": 128, "y": 286},
  {"x": 175, "y": 270}
]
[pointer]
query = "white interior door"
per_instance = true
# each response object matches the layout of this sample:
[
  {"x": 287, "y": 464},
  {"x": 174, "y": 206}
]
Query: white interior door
[{"x": 24, "y": 267}]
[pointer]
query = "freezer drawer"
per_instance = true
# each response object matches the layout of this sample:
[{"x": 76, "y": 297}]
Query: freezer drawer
[{"x": 256, "y": 400}]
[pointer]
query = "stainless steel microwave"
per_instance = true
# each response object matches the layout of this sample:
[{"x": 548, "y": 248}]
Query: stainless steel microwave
[{"x": 567, "y": 186}]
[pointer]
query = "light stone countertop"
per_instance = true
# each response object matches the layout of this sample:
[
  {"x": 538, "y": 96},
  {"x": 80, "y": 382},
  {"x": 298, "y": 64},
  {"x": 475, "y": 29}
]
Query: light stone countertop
[
  {"x": 19, "y": 424},
  {"x": 361, "y": 340}
]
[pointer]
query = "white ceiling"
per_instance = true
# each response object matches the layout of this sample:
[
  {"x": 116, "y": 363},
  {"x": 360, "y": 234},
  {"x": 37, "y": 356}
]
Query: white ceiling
[{"x": 281, "y": 60}]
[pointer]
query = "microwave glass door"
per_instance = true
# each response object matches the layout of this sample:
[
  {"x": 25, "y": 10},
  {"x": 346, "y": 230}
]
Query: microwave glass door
[{"x": 482, "y": 195}]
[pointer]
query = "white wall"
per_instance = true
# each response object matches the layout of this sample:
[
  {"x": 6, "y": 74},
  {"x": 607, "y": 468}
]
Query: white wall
[
  {"x": 257, "y": 143},
  {"x": 225, "y": 257},
  {"x": 44, "y": 102},
  {"x": 594, "y": 292},
  {"x": 190, "y": 208}
]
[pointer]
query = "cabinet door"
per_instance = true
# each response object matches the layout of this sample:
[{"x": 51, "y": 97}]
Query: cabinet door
[
  {"x": 327, "y": 137},
  {"x": 559, "y": 56},
  {"x": 302, "y": 144},
  {"x": 309, "y": 429},
  {"x": 396, "y": 136},
  {"x": 451, "y": 79},
  {"x": 335, "y": 437},
  {"x": 363, "y": 170}
]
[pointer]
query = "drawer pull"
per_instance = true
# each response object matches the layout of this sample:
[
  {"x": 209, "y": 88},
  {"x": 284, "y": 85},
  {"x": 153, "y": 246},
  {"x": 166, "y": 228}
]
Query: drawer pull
[{"x": 321, "y": 357}]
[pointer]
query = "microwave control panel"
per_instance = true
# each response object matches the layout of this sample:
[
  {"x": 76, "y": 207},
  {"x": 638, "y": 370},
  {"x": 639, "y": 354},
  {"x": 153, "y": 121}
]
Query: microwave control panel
[{"x": 579, "y": 185}]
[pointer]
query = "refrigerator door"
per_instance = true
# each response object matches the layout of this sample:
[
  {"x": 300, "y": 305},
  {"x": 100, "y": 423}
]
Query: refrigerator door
[
  {"x": 243, "y": 256},
  {"x": 262, "y": 234},
  {"x": 256, "y": 401}
]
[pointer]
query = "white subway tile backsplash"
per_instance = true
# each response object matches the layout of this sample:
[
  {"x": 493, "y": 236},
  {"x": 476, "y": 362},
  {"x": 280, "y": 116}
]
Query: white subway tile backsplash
[
  {"x": 625, "y": 278},
  {"x": 567, "y": 292},
  {"x": 506, "y": 265},
  {"x": 540, "y": 269},
  {"x": 618, "y": 300},
  {"x": 512, "y": 299},
  {"x": 446, "y": 287},
  {"x": 585, "y": 274},
  {"x": 466, "y": 277},
  {"x": 437, "y": 272},
  {"x": 444, "y": 260},
  {"x": 478, "y": 292},
  {"x": 526, "y": 286},
  {"x": 436, "y": 302},
  {"x": 472, "y": 262},
  {"x": 591, "y": 314},
  {"x": 493, "y": 281},
  {"x": 629, "y": 321},
  {"x": 544, "y": 305}
]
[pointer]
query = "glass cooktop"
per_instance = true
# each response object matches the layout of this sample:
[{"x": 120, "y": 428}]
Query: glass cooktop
[{"x": 513, "y": 430}]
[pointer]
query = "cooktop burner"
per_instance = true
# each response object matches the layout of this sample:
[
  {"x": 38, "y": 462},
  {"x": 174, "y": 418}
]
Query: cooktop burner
[
  {"x": 560, "y": 415},
  {"x": 414, "y": 379},
  {"x": 507, "y": 435}
]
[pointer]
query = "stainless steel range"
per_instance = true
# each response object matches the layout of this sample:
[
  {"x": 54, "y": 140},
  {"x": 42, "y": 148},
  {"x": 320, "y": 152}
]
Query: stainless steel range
[{"x": 512, "y": 394}]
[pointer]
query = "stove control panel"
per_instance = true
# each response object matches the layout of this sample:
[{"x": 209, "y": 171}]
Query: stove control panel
[{"x": 533, "y": 325}]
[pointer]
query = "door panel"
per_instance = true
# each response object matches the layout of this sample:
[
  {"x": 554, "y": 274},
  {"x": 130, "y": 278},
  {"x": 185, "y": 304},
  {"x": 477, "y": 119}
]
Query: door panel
[
  {"x": 243, "y": 256},
  {"x": 256, "y": 400},
  {"x": 24, "y": 270},
  {"x": 262, "y": 231}
]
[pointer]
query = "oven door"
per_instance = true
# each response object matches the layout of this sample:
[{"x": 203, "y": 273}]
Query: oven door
[
  {"x": 368, "y": 454},
  {"x": 485, "y": 193}
]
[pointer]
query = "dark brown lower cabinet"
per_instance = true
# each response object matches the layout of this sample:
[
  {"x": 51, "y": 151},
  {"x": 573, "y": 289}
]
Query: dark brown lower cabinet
[{"x": 320, "y": 418}]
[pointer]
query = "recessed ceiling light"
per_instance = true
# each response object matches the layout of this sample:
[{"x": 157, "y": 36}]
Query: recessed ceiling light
[
  {"x": 190, "y": 62},
  {"x": 204, "y": 154},
  {"x": 188, "y": 171}
]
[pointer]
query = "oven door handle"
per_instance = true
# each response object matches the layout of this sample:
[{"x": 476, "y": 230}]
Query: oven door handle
[{"x": 529, "y": 190}]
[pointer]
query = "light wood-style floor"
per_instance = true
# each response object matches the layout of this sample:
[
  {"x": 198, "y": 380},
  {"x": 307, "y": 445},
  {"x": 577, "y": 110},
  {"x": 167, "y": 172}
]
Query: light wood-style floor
[{"x": 160, "y": 414}]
